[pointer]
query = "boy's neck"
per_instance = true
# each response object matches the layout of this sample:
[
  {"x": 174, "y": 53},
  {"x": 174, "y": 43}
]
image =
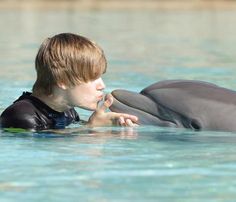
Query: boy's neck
[{"x": 56, "y": 102}]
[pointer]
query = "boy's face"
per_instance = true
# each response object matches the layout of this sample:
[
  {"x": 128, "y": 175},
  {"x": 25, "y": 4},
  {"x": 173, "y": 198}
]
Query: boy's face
[{"x": 86, "y": 95}]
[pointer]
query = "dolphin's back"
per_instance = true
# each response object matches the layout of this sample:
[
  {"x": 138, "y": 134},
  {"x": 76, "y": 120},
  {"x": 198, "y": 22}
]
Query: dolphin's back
[{"x": 194, "y": 104}]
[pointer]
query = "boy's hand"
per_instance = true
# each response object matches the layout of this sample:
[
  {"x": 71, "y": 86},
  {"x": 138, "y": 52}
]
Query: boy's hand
[{"x": 102, "y": 118}]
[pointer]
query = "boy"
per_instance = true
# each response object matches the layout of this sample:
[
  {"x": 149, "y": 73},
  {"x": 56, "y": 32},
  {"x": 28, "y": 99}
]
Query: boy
[{"x": 69, "y": 69}]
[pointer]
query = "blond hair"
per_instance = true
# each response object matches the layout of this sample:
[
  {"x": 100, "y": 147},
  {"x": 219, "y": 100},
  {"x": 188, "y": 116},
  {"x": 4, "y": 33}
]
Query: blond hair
[{"x": 67, "y": 59}]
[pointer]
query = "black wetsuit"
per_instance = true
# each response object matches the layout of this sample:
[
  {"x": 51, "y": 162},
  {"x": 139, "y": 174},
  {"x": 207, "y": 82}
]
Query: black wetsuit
[{"x": 29, "y": 112}]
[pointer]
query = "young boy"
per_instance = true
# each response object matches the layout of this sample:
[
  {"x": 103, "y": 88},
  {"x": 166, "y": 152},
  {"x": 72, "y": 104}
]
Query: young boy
[{"x": 69, "y": 69}]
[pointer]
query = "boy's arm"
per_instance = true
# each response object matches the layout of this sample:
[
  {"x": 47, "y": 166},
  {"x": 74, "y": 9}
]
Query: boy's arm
[{"x": 102, "y": 118}]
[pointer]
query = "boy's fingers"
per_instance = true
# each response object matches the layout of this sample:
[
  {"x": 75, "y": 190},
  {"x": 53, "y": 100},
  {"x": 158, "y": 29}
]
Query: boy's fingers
[
  {"x": 128, "y": 116},
  {"x": 129, "y": 122},
  {"x": 121, "y": 121}
]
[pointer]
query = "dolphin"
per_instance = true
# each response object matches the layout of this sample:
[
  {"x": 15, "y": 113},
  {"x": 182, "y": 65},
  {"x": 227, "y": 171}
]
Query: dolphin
[{"x": 196, "y": 105}]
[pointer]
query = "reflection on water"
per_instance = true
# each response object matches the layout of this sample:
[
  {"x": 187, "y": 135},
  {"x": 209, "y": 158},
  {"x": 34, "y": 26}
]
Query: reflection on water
[
  {"x": 153, "y": 133},
  {"x": 114, "y": 164}
]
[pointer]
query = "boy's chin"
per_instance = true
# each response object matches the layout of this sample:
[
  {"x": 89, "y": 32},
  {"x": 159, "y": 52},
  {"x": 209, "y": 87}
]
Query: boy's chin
[{"x": 90, "y": 108}]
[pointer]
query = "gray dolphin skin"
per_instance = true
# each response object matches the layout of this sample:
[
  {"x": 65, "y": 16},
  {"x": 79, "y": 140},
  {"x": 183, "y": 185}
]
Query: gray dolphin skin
[{"x": 190, "y": 104}]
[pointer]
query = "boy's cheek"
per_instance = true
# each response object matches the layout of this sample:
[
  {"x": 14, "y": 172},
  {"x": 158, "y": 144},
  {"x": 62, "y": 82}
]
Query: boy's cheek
[{"x": 93, "y": 106}]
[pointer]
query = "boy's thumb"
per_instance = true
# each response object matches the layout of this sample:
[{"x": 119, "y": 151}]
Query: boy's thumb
[{"x": 106, "y": 104}]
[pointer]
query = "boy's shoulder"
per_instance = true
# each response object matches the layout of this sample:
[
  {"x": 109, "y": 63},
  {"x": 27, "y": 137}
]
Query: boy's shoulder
[
  {"x": 20, "y": 114},
  {"x": 23, "y": 104}
]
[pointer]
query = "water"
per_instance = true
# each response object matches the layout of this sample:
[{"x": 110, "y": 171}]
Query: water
[{"x": 115, "y": 164}]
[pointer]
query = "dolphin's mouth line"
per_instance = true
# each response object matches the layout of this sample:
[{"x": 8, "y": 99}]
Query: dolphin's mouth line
[
  {"x": 161, "y": 107},
  {"x": 128, "y": 105},
  {"x": 137, "y": 109}
]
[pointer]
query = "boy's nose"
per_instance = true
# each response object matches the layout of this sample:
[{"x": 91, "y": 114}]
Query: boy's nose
[{"x": 101, "y": 84}]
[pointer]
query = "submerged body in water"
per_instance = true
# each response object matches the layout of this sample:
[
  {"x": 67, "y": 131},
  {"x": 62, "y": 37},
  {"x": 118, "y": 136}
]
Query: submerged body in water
[{"x": 180, "y": 103}]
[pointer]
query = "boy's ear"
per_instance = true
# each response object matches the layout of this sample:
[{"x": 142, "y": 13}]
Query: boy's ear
[{"x": 62, "y": 86}]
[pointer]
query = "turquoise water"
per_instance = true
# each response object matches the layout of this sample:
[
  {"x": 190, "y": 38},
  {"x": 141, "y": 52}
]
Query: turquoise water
[{"x": 121, "y": 164}]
